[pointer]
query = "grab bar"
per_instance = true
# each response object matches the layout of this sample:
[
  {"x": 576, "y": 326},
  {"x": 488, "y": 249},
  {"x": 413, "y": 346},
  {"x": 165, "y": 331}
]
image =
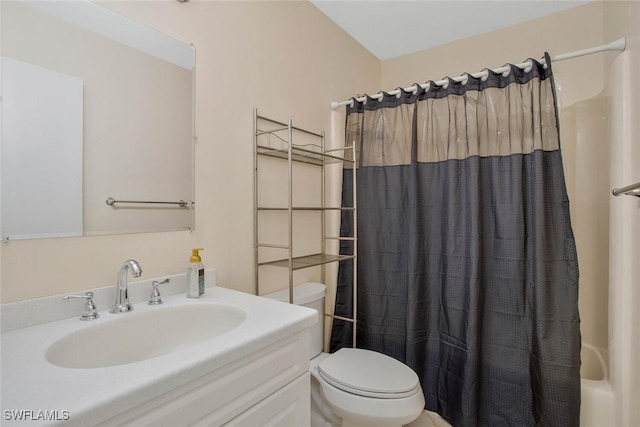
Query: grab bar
[
  {"x": 111, "y": 201},
  {"x": 629, "y": 190}
]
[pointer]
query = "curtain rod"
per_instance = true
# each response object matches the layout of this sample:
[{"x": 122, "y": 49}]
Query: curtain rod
[{"x": 619, "y": 44}]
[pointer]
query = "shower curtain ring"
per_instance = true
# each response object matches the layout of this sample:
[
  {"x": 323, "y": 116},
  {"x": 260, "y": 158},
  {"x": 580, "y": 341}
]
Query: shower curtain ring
[{"x": 529, "y": 65}]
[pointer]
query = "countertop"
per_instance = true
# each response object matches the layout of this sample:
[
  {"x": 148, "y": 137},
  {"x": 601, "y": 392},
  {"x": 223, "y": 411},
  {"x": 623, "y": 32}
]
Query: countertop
[{"x": 90, "y": 396}]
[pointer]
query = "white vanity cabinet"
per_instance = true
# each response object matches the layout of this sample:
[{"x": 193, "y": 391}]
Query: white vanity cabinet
[
  {"x": 254, "y": 374},
  {"x": 267, "y": 387}
]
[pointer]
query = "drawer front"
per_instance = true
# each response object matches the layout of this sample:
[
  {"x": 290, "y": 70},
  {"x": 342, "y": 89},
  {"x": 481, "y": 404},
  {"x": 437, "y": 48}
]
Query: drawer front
[
  {"x": 289, "y": 406},
  {"x": 223, "y": 394}
]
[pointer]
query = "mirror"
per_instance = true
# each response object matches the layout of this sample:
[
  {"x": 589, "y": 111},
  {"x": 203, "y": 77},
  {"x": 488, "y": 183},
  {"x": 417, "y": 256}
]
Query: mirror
[{"x": 94, "y": 106}]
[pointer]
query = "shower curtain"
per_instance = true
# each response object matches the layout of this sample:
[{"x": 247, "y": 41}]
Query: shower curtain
[{"x": 467, "y": 268}]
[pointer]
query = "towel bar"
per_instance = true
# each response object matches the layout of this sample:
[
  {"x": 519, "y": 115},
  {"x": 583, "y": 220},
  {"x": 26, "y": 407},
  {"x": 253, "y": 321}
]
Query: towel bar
[
  {"x": 111, "y": 201},
  {"x": 629, "y": 190}
]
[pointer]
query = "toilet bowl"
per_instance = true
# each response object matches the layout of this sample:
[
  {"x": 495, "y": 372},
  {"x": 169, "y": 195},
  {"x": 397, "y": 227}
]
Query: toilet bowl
[{"x": 355, "y": 387}]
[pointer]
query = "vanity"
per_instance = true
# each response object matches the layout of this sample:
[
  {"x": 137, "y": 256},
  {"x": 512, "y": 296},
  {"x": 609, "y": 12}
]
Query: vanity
[{"x": 157, "y": 366}]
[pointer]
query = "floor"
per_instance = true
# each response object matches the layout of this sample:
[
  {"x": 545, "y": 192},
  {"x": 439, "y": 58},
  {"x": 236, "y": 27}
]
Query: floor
[{"x": 429, "y": 419}]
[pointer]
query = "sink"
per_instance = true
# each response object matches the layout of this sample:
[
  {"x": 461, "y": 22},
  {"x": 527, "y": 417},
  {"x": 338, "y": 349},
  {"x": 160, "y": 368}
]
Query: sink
[{"x": 135, "y": 337}]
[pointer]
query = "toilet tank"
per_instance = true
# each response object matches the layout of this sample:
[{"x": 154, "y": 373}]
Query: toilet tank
[{"x": 309, "y": 295}]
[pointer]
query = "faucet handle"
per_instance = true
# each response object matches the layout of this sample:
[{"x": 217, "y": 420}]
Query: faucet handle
[
  {"x": 90, "y": 311},
  {"x": 155, "y": 299}
]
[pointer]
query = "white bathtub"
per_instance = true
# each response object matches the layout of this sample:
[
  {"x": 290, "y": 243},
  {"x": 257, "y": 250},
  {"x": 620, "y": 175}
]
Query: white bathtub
[{"x": 597, "y": 397}]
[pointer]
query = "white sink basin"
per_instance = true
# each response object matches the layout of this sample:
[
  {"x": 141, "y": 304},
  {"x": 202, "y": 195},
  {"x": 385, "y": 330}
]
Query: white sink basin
[{"x": 135, "y": 337}]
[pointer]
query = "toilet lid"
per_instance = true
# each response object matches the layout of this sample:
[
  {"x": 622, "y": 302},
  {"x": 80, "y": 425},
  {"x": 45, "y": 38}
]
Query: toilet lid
[{"x": 368, "y": 373}]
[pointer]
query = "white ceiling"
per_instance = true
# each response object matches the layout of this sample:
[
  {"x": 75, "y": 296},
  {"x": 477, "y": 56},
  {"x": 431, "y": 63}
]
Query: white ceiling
[{"x": 390, "y": 28}]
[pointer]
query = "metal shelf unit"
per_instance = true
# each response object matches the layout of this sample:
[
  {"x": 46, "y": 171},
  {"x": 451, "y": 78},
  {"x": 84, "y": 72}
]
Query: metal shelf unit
[{"x": 313, "y": 154}]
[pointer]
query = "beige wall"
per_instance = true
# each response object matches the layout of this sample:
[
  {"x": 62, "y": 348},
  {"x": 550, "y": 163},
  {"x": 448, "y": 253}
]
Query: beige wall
[
  {"x": 284, "y": 58},
  {"x": 574, "y": 29}
]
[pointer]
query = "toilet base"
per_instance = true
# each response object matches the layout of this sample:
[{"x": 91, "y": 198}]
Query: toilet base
[{"x": 321, "y": 414}]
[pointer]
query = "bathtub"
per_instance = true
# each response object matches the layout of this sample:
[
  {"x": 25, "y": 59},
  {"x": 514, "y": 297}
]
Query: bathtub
[{"x": 596, "y": 409}]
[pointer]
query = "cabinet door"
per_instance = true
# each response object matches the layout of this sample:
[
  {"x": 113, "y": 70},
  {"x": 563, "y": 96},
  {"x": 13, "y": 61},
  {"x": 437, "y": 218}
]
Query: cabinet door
[{"x": 289, "y": 406}]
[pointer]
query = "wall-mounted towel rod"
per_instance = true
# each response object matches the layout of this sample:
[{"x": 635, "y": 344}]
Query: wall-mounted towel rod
[
  {"x": 111, "y": 201},
  {"x": 629, "y": 190}
]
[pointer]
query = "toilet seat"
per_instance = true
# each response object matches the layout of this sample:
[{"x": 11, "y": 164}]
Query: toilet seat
[{"x": 369, "y": 374}]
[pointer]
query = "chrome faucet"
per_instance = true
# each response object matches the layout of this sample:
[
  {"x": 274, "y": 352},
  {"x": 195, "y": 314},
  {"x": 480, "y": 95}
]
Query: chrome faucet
[{"x": 122, "y": 304}]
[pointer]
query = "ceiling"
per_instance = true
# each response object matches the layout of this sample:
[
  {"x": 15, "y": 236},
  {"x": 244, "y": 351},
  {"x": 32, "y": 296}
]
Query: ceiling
[{"x": 391, "y": 28}]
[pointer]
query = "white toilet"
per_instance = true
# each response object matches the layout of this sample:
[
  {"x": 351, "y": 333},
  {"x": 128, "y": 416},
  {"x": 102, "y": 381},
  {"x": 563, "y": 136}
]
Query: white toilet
[{"x": 355, "y": 387}]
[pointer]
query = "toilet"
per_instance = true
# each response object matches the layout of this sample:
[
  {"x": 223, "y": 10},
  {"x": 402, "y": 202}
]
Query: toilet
[{"x": 354, "y": 387}]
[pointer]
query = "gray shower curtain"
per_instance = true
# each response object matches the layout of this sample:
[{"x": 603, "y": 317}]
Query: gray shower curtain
[{"x": 467, "y": 267}]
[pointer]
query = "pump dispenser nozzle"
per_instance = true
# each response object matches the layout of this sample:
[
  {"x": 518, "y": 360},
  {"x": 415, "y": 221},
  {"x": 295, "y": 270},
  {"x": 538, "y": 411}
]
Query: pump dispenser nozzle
[{"x": 195, "y": 256}]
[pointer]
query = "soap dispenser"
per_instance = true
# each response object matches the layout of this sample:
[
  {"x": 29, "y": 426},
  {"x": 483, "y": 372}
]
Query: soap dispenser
[{"x": 195, "y": 275}]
